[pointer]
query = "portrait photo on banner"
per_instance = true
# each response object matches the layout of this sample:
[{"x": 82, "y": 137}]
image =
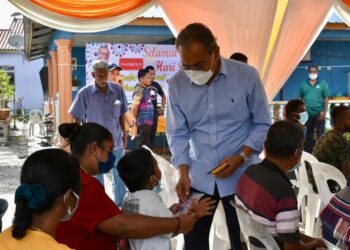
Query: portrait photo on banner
[{"x": 133, "y": 57}]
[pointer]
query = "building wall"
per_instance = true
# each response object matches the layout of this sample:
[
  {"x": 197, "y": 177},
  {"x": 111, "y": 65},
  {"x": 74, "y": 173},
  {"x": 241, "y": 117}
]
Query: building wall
[
  {"x": 334, "y": 59},
  {"x": 79, "y": 73},
  {"x": 27, "y": 79}
]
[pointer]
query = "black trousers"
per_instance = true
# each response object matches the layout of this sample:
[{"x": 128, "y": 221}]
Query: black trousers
[
  {"x": 198, "y": 238},
  {"x": 154, "y": 129},
  {"x": 144, "y": 137},
  {"x": 311, "y": 124}
]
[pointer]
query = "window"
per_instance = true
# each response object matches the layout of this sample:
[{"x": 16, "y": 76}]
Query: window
[{"x": 10, "y": 70}]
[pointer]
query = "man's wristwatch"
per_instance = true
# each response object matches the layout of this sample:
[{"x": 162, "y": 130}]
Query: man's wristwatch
[{"x": 244, "y": 156}]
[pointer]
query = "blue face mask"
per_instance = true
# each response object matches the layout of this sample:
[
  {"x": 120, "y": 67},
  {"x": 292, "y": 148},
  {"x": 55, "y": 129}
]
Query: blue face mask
[
  {"x": 157, "y": 188},
  {"x": 105, "y": 167},
  {"x": 303, "y": 117}
]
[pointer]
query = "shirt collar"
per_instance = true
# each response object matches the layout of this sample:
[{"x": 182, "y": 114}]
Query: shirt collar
[
  {"x": 95, "y": 89},
  {"x": 223, "y": 66},
  {"x": 317, "y": 82},
  {"x": 270, "y": 165}
]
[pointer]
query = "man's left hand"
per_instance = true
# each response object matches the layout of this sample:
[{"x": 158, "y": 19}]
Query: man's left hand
[
  {"x": 322, "y": 116},
  {"x": 233, "y": 163}
]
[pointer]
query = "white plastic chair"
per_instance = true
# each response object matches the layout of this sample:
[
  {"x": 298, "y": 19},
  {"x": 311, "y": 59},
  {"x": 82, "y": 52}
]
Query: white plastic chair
[
  {"x": 304, "y": 185},
  {"x": 324, "y": 172},
  {"x": 330, "y": 246},
  {"x": 251, "y": 228},
  {"x": 35, "y": 117}
]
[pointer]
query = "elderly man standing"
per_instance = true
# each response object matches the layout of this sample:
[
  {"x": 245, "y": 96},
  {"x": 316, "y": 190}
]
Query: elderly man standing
[
  {"x": 104, "y": 103},
  {"x": 217, "y": 114}
]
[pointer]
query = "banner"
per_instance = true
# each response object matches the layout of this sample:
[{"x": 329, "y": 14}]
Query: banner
[{"x": 133, "y": 57}]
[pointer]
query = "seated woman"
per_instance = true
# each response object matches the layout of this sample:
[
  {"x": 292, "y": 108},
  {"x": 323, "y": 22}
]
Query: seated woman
[
  {"x": 98, "y": 222},
  {"x": 48, "y": 194}
]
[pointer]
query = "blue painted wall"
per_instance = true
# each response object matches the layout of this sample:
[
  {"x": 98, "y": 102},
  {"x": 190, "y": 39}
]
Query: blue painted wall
[{"x": 334, "y": 59}]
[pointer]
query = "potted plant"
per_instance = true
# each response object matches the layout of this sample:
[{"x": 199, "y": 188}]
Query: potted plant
[{"x": 7, "y": 90}]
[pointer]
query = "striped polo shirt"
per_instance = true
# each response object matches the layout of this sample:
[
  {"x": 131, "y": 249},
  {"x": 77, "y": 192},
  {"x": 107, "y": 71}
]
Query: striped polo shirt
[
  {"x": 266, "y": 193},
  {"x": 336, "y": 219}
]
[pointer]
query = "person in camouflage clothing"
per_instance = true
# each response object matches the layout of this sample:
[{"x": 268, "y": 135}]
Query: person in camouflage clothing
[{"x": 332, "y": 147}]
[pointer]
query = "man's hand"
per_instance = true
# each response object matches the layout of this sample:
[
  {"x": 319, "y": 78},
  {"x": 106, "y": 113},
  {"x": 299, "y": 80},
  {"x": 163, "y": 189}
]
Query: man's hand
[
  {"x": 132, "y": 132},
  {"x": 322, "y": 116},
  {"x": 184, "y": 183},
  {"x": 175, "y": 207},
  {"x": 233, "y": 163}
]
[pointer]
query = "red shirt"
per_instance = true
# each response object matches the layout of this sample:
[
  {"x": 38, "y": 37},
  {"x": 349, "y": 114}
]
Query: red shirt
[{"x": 80, "y": 231}]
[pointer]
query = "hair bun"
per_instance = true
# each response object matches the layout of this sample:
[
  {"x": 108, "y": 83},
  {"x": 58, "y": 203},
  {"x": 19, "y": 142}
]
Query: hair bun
[{"x": 69, "y": 131}]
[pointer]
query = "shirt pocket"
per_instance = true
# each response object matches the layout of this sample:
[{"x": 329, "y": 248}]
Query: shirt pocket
[
  {"x": 234, "y": 107},
  {"x": 116, "y": 109}
]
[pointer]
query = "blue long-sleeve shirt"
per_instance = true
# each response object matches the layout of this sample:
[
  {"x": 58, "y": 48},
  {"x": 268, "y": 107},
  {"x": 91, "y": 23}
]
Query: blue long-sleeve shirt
[{"x": 208, "y": 123}]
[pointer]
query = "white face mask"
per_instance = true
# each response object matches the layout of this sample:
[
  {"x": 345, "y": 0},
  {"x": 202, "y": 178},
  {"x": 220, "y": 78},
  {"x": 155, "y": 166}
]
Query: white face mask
[
  {"x": 70, "y": 211},
  {"x": 298, "y": 163},
  {"x": 200, "y": 77},
  {"x": 313, "y": 76},
  {"x": 303, "y": 117}
]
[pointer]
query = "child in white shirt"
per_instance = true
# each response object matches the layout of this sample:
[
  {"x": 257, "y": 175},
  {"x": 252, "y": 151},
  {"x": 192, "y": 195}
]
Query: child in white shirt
[{"x": 140, "y": 173}]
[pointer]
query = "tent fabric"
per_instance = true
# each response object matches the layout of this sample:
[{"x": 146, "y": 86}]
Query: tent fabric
[
  {"x": 274, "y": 34},
  {"x": 92, "y": 9},
  {"x": 343, "y": 10},
  {"x": 95, "y": 23}
]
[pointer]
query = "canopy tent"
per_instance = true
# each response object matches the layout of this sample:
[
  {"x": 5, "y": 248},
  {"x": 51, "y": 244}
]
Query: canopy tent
[{"x": 274, "y": 34}]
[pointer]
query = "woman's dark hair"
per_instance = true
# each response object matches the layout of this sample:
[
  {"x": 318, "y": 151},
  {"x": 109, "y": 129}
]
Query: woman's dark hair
[
  {"x": 80, "y": 136},
  {"x": 283, "y": 139},
  {"x": 196, "y": 32},
  {"x": 136, "y": 168},
  {"x": 293, "y": 106},
  {"x": 46, "y": 175}
]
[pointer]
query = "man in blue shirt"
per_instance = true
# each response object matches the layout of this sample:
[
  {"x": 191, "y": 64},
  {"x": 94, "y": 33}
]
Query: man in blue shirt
[
  {"x": 105, "y": 103},
  {"x": 217, "y": 113}
]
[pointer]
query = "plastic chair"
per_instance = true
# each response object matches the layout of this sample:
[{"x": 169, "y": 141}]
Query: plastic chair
[
  {"x": 324, "y": 172},
  {"x": 304, "y": 185},
  {"x": 251, "y": 228},
  {"x": 330, "y": 246},
  {"x": 35, "y": 117}
]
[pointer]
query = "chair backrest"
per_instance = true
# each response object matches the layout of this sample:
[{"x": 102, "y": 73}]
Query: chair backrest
[
  {"x": 251, "y": 228},
  {"x": 301, "y": 173},
  {"x": 324, "y": 172},
  {"x": 36, "y": 116},
  {"x": 330, "y": 246}
]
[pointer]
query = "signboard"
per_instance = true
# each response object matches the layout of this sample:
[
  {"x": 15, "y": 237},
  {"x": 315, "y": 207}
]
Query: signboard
[{"x": 133, "y": 57}]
